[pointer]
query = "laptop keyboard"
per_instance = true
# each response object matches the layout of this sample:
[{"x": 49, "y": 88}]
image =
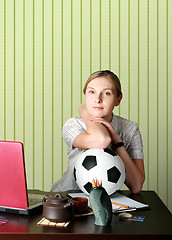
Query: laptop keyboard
[{"x": 34, "y": 201}]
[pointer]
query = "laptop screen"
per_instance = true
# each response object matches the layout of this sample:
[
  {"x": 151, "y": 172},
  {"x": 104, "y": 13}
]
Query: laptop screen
[{"x": 13, "y": 190}]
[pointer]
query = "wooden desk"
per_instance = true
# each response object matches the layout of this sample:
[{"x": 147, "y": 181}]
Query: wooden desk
[{"x": 157, "y": 225}]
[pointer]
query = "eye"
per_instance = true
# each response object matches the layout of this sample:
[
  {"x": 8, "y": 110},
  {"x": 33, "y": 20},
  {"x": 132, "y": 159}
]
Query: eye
[
  {"x": 91, "y": 92},
  {"x": 107, "y": 93}
]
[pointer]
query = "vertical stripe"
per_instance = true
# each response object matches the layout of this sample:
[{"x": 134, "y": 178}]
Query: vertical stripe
[
  {"x": 148, "y": 94},
  {"x": 4, "y": 69},
  {"x": 24, "y": 71},
  {"x": 129, "y": 59},
  {"x": 81, "y": 52},
  {"x": 167, "y": 96},
  {"x": 14, "y": 67},
  {"x": 52, "y": 90},
  {"x": 43, "y": 94},
  {"x": 138, "y": 61},
  {"x": 100, "y": 37},
  {"x": 157, "y": 94},
  {"x": 33, "y": 94},
  {"x": 90, "y": 36},
  {"x": 110, "y": 35},
  {"x": 62, "y": 80},
  {"x": 71, "y": 58},
  {"x": 119, "y": 48}
]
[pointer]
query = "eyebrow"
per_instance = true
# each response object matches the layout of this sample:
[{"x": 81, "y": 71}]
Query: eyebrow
[{"x": 104, "y": 89}]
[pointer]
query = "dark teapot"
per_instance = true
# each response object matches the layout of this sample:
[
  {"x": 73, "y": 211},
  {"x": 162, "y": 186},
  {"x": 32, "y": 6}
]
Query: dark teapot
[{"x": 58, "y": 208}]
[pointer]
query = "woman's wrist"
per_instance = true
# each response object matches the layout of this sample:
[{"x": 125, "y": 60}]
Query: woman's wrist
[
  {"x": 116, "y": 138},
  {"x": 117, "y": 145}
]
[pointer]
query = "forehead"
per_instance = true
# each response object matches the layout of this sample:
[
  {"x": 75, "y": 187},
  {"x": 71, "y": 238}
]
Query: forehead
[{"x": 101, "y": 83}]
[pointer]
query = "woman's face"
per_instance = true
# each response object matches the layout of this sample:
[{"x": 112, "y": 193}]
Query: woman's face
[{"x": 101, "y": 98}]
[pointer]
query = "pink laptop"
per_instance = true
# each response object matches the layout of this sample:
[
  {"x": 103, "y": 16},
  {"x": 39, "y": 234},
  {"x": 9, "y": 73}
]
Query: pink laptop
[{"x": 13, "y": 188}]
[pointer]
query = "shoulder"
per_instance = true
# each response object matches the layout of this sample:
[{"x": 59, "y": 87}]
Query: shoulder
[
  {"x": 73, "y": 127},
  {"x": 72, "y": 122},
  {"x": 126, "y": 129},
  {"x": 124, "y": 124}
]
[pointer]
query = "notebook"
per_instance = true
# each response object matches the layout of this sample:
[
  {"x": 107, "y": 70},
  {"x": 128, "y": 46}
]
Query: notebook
[
  {"x": 14, "y": 197},
  {"x": 121, "y": 202}
]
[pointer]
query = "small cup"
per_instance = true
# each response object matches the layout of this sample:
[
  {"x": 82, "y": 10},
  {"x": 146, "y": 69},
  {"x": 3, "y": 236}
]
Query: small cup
[{"x": 80, "y": 205}]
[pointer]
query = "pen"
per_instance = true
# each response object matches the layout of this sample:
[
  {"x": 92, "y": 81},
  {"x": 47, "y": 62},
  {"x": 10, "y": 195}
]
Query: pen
[
  {"x": 121, "y": 205},
  {"x": 130, "y": 209}
]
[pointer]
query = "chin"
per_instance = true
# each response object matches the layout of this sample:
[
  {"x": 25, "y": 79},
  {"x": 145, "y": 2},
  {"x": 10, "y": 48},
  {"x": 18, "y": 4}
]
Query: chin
[{"x": 99, "y": 115}]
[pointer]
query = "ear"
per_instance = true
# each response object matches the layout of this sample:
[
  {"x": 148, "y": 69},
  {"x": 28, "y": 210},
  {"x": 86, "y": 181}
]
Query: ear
[{"x": 119, "y": 100}]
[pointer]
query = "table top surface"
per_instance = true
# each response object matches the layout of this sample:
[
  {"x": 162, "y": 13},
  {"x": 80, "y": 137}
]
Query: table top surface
[{"x": 158, "y": 221}]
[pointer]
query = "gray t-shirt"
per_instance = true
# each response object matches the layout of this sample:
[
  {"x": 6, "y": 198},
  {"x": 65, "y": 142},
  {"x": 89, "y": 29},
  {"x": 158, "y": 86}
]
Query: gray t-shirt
[{"x": 127, "y": 130}]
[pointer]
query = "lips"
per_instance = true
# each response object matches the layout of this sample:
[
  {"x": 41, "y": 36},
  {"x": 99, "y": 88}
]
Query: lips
[{"x": 98, "y": 108}]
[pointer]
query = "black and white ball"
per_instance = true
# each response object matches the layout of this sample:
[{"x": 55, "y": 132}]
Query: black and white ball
[{"x": 101, "y": 164}]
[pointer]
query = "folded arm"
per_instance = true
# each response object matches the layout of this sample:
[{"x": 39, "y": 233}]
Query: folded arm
[
  {"x": 96, "y": 136},
  {"x": 135, "y": 173}
]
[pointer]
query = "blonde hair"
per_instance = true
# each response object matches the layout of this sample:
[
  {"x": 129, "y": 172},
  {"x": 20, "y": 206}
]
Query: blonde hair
[{"x": 108, "y": 74}]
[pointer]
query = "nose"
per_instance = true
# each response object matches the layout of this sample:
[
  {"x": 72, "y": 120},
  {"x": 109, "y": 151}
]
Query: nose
[{"x": 98, "y": 98}]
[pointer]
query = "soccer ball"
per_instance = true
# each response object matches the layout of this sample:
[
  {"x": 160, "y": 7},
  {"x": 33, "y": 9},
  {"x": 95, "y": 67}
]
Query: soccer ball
[{"x": 101, "y": 164}]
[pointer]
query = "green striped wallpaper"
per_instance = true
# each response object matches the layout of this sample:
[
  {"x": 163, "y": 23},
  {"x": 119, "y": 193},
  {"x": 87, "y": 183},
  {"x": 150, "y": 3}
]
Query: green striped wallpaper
[{"x": 48, "y": 48}]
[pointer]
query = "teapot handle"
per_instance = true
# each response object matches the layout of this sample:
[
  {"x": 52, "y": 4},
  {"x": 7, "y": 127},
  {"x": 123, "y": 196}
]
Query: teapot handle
[
  {"x": 69, "y": 204},
  {"x": 46, "y": 197}
]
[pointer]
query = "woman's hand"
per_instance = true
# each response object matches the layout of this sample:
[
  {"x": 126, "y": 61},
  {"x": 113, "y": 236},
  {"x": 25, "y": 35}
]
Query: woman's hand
[
  {"x": 114, "y": 136},
  {"x": 83, "y": 112}
]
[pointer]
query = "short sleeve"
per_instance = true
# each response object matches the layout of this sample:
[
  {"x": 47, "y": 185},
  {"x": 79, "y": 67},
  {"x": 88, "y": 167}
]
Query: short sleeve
[
  {"x": 72, "y": 128},
  {"x": 135, "y": 147}
]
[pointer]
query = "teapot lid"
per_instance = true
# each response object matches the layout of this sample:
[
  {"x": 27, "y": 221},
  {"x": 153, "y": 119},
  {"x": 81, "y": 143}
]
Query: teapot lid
[{"x": 58, "y": 198}]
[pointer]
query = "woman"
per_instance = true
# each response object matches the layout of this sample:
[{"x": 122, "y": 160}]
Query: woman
[{"x": 99, "y": 127}]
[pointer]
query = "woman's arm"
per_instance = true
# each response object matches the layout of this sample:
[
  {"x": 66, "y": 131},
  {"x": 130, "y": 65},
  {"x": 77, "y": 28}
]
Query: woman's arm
[
  {"x": 96, "y": 136},
  {"x": 135, "y": 173}
]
